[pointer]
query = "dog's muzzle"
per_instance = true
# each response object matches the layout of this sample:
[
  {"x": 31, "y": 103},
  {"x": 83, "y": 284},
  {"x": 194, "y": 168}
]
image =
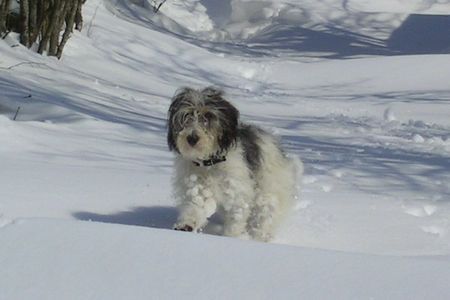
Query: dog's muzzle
[{"x": 192, "y": 139}]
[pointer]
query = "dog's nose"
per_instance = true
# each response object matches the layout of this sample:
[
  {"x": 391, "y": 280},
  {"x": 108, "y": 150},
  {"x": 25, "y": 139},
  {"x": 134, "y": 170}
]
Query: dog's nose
[{"x": 192, "y": 139}]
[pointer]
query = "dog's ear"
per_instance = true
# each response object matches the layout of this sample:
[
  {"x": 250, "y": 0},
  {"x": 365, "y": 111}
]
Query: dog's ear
[
  {"x": 171, "y": 139},
  {"x": 228, "y": 117},
  {"x": 177, "y": 101},
  {"x": 229, "y": 126},
  {"x": 212, "y": 93}
]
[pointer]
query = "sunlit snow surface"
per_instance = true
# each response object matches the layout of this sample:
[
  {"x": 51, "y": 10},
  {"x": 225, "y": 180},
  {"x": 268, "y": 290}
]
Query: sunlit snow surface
[{"x": 358, "y": 91}]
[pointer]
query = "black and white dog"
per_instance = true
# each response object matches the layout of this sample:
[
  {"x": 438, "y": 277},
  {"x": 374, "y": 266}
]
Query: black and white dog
[{"x": 227, "y": 167}]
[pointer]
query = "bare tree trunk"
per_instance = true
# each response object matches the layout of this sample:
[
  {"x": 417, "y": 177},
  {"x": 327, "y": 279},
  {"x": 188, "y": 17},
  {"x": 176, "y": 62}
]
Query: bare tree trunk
[
  {"x": 32, "y": 22},
  {"x": 49, "y": 26},
  {"x": 24, "y": 14},
  {"x": 4, "y": 9},
  {"x": 42, "y": 13},
  {"x": 70, "y": 20},
  {"x": 59, "y": 21},
  {"x": 78, "y": 16},
  {"x": 47, "y": 22}
]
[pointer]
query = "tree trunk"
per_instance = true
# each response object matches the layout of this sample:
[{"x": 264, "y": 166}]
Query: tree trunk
[
  {"x": 59, "y": 21},
  {"x": 32, "y": 22},
  {"x": 70, "y": 20},
  {"x": 42, "y": 13},
  {"x": 24, "y": 14},
  {"x": 78, "y": 16},
  {"x": 46, "y": 22},
  {"x": 49, "y": 26},
  {"x": 4, "y": 9}
]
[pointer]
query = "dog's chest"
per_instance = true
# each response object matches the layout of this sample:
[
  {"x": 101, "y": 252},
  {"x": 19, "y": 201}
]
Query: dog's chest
[{"x": 224, "y": 185}]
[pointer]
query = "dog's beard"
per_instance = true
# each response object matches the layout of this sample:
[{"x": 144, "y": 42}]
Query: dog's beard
[
  {"x": 203, "y": 149},
  {"x": 204, "y": 115}
]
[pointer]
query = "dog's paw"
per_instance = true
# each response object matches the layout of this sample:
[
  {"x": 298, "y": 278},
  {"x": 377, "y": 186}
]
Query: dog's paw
[
  {"x": 261, "y": 236},
  {"x": 184, "y": 227}
]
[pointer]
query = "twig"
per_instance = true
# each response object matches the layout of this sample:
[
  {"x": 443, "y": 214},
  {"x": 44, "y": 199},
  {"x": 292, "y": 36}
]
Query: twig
[
  {"x": 156, "y": 8},
  {"x": 5, "y": 34},
  {"x": 17, "y": 112},
  {"x": 88, "y": 33},
  {"x": 23, "y": 63}
]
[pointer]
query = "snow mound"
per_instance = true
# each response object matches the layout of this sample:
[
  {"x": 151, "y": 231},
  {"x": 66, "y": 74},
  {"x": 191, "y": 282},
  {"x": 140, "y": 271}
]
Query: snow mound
[
  {"x": 241, "y": 20},
  {"x": 432, "y": 7},
  {"x": 260, "y": 27},
  {"x": 49, "y": 259}
]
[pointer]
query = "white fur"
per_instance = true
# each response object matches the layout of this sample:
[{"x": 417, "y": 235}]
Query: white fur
[{"x": 251, "y": 205}]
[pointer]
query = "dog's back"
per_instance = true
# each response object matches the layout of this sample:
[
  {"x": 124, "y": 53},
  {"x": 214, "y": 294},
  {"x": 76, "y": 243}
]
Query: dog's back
[{"x": 275, "y": 176}]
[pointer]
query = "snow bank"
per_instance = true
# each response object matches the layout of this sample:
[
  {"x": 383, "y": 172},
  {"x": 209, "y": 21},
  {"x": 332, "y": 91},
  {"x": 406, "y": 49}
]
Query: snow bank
[
  {"x": 432, "y": 7},
  {"x": 245, "y": 19},
  {"x": 48, "y": 259},
  {"x": 89, "y": 144},
  {"x": 256, "y": 26}
]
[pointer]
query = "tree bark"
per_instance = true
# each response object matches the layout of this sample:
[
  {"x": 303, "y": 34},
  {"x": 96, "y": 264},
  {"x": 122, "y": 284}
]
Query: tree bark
[
  {"x": 4, "y": 9},
  {"x": 24, "y": 14},
  {"x": 70, "y": 20},
  {"x": 79, "y": 16},
  {"x": 46, "y": 22},
  {"x": 49, "y": 26},
  {"x": 61, "y": 6},
  {"x": 32, "y": 22}
]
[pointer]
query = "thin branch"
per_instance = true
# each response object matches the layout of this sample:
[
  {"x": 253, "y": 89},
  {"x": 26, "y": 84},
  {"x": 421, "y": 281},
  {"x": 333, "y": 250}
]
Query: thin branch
[
  {"x": 156, "y": 8},
  {"x": 17, "y": 112},
  {"x": 92, "y": 21},
  {"x": 24, "y": 63}
]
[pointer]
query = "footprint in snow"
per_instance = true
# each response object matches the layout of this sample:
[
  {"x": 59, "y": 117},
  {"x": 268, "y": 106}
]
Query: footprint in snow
[
  {"x": 302, "y": 205},
  {"x": 337, "y": 173},
  {"x": 248, "y": 73},
  {"x": 435, "y": 230},
  {"x": 327, "y": 188},
  {"x": 389, "y": 115},
  {"x": 309, "y": 179},
  {"x": 420, "y": 211},
  {"x": 417, "y": 138},
  {"x": 4, "y": 221}
]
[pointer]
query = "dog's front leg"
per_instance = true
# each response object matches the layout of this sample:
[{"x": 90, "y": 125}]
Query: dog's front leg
[
  {"x": 194, "y": 214},
  {"x": 235, "y": 221},
  {"x": 236, "y": 208},
  {"x": 197, "y": 206}
]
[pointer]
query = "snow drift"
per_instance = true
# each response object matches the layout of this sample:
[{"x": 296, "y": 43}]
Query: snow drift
[
  {"x": 45, "y": 259},
  {"x": 359, "y": 93}
]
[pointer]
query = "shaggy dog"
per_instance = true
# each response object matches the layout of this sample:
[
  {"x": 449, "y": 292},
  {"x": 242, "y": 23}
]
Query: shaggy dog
[{"x": 227, "y": 167}]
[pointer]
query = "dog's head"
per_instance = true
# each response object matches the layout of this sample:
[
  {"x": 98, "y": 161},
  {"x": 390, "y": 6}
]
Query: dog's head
[{"x": 201, "y": 123}]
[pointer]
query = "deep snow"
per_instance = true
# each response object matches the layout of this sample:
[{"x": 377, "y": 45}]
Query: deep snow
[
  {"x": 359, "y": 91},
  {"x": 47, "y": 259}
]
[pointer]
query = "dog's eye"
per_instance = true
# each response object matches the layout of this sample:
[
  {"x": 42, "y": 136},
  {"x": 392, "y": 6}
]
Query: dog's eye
[
  {"x": 208, "y": 116},
  {"x": 187, "y": 119}
]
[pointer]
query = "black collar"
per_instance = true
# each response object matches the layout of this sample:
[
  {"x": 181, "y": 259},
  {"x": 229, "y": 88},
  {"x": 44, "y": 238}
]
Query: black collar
[{"x": 209, "y": 162}]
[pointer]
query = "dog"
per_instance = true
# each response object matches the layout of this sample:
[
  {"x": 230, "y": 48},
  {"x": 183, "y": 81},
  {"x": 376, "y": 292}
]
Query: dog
[{"x": 227, "y": 167}]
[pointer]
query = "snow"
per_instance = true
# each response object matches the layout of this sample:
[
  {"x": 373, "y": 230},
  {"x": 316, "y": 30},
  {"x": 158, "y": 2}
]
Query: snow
[
  {"x": 48, "y": 259},
  {"x": 357, "y": 89},
  {"x": 436, "y": 7}
]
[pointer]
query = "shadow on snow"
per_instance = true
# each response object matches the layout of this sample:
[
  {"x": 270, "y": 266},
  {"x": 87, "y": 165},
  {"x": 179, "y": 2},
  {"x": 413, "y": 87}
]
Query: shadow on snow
[
  {"x": 155, "y": 216},
  {"x": 418, "y": 34},
  {"x": 162, "y": 217}
]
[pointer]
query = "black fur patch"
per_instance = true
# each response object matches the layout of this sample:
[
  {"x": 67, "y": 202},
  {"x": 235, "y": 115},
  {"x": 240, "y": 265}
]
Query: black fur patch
[
  {"x": 209, "y": 97},
  {"x": 180, "y": 98},
  {"x": 249, "y": 139},
  {"x": 229, "y": 123}
]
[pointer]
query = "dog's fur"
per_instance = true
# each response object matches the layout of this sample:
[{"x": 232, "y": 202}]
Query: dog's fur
[{"x": 224, "y": 166}]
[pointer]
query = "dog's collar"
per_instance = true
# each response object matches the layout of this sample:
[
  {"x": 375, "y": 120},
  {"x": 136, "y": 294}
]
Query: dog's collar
[{"x": 210, "y": 162}]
